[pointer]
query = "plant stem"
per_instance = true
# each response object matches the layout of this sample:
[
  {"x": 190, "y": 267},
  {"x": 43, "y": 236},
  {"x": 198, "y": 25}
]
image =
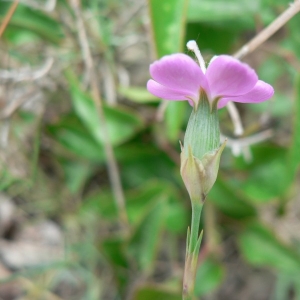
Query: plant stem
[
  {"x": 196, "y": 215},
  {"x": 292, "y": 10},
  {"x": 191, "y": 257},
  {"x": 8, "y": 16}
]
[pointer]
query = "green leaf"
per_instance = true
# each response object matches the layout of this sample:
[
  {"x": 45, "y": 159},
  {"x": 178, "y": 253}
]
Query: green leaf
[
  {"x": 139, "y": 201},
  {"x": 34, "y": 21},
  {"x": 294, "y": 153},
  {"x": 153, "y": 292},
  {"x": 209, "y": 276},
  {"x": 144, "y": 162},
  {"x": 292, "y": 41},
  {"x": 137, "y": 94},
  {"x": 168, "y": 25},
  {"x": 223, "y": 41},
  {"x": 144, "y": 241},
  {"x": 267, "y": 175},
  {"x": 76, "y": 173},
  {"x": 267, "y": 181},
  {"x": 74, "y": 137},
  {"x": 122, "y": 123},
  {"x": 261, "y": 248},
  {"x": 114, "y": 250},
  {"x": 168, "y": 21},
  {"x": 218, "y": 10},
  {"x": 230, "y": 202},
  {"x": 100, "y": 203},
  {"x": 177, "y": 218},
  {"x": 175, "y": 116}
]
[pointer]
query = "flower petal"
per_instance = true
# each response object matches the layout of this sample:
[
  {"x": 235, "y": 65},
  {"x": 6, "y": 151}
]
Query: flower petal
[
  {"x": 179, "y": 72},
  {"x": 261, "y": 92},
  {"x": 228, "y": 76},
  {"x": 166, "y": 93}
]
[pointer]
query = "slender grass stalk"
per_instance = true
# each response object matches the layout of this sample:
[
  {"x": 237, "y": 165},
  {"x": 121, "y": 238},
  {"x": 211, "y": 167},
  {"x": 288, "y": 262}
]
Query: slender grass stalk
[
  {"x": 8, "y": 16},
  {"x": 266, "y": 33},
  {"x": 193, "y": 246},
  {"x": 112, "y": 165}
]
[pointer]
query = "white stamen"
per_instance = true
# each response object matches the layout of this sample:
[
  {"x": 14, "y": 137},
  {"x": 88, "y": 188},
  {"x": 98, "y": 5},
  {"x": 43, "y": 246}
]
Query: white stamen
[
  {"x": 192, "y": 45},
  {"x": 236, "y": 118}
]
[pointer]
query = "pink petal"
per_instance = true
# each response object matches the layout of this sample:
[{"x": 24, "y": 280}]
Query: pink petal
[
  {"x": 166, "y": 93},
  {"x": 228, "y": 76},
  {"x": 179, "y": 72},
  {"x": 262, "y": 91}
]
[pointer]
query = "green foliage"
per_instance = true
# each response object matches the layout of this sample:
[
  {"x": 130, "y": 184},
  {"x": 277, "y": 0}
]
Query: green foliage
[
  {"x": 294, "y": 153},
  {"x": 261, "y": 247},
  {"x": 168, "y": 25},
  {"x": 218, "y": 11},
  {"x": 143, "y": 244},
  {"x": 137, "y": 94},
  {"x": 209, "y": 276},
  {"x": 152, "y": 292},
  {"x": 29, "y": 22},
  {"x": 121, "y": 123},
  {"x": 230, "y": 202}
]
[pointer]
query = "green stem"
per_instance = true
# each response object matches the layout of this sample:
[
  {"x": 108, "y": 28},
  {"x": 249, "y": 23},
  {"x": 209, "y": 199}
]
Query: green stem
[
  {"x": 191, "y": 258},
  {"x": 196, "y": 215}
]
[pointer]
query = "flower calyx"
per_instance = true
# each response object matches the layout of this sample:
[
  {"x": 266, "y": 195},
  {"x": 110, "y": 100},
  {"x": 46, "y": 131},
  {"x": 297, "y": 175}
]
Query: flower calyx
[{"x": 199, "y": 175}]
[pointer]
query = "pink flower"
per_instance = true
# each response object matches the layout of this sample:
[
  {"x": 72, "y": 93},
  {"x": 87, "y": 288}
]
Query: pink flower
[{"x": 178, "y": 77}]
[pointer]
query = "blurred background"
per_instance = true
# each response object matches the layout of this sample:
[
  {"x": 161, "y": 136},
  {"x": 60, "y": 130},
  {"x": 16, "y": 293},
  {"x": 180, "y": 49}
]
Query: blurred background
[{"x": 63, "y": 234}]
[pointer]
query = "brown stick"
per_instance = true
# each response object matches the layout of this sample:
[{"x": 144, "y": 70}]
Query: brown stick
[
  {"x": 8, "y": 17},
  {"x": 112, "y": 166},
  {"x": 269, "y": 30}
]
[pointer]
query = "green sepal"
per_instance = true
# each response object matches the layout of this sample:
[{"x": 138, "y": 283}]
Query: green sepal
[
  {"x": 197, "y": 248},
  {"x": 198, "y": 175},
  {"x": 203, "y": 131}
]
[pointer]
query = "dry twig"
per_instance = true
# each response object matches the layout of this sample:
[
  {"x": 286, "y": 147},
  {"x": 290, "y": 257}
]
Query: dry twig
[
  {"x": 111, "y": 160},
  {"x": 260, "y": 38},
  {"x": 269, "y": 30},
  {"x": 48, "y": 6},
  {"x": 26, "y": 73},
  {"x": 10, "y": 108},
  {"x": 247, "y": 141},
  {"x": 8, "y": 16}
]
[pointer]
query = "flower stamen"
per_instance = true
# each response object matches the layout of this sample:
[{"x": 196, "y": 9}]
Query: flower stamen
[{"x": 192, "y": 45}]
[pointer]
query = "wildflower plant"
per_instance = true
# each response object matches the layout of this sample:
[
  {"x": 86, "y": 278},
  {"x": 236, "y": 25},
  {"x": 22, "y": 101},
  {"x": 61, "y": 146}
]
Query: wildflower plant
[{"x": 178, "y": 77}]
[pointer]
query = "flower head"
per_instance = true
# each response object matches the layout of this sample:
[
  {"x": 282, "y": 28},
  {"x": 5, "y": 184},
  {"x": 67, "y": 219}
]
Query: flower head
[{"x": 178, "y": 77}]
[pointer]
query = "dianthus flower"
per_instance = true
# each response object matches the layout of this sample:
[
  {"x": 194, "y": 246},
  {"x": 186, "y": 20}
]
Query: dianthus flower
[{"x": 179, "y": 77}]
